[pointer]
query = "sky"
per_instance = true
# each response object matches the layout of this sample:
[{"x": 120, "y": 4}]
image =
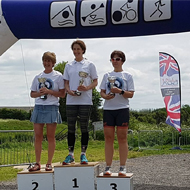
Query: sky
[{"x": 22, "y": 61}]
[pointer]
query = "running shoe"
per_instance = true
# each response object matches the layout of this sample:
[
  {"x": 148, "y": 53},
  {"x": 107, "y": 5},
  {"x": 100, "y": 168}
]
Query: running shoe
[
  {"x": 83, "y": 159},
  {"x": 122, "y": 171},
  {"x": 107, "y": 171},
  {"x": 69, "y": 160}
]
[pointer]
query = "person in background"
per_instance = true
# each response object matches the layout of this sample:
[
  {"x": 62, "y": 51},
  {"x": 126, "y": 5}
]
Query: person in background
[
  {"x": 46, "y": 88},
  {"x": 79, "y": 98},
  {"x": 116, "y": 88}
]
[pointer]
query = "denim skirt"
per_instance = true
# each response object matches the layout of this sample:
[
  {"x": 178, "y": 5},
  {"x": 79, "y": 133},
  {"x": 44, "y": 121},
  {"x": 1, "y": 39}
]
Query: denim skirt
[{"x": 46, "y": 114}]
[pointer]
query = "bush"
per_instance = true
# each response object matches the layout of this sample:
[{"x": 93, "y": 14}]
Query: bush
[
  {"x": 14, "y": 114},
  {"x": 100, "y": 135}
]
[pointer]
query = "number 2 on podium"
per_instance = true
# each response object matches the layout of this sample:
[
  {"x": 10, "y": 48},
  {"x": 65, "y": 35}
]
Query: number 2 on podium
[{"x": 36, "y": 185}]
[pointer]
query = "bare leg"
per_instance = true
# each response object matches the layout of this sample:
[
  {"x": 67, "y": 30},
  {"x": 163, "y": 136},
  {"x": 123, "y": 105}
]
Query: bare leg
[
  {"x": 123, "y": 144},
  {"x": 38, "y": 130},
  {"x": 51, "y": 141},
  {"x": 109, "y": 133}
]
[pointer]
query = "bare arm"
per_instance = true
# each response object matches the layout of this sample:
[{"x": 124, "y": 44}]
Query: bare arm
[
  {"x": 91, "y": 86},
  {"x": 60, "y": 93},
  {"x": 35, "y": 94},
  {"x": 127, "y": 94},
  {"x": 43, "y": 91},
  {"x": 106, "y": 96},
  {"x": 67, "y": 88}
]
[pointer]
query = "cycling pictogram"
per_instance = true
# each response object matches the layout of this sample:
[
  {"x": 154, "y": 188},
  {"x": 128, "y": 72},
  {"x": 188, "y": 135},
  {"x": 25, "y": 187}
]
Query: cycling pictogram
[{"x": 124, "y": 11}]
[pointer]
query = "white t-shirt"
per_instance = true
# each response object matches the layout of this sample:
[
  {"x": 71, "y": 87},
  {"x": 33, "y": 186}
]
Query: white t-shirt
[
  {"x": 71, "y": 73},
  {"x": 54, "y": 81},
  {"x": 124, "y": 81}
]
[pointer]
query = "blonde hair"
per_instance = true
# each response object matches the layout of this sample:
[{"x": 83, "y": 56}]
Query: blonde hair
[{"x": 49, "y": 56}]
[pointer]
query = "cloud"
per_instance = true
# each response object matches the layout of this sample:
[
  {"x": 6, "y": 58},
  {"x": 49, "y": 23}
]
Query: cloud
[{"x": 22, "y": 62}]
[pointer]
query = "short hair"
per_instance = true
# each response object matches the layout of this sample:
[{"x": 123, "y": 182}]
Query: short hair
[
  {"x": 119, "y": 54},
  {"x": 50, "y": 56},
  {"x": 81, "y": 44}
]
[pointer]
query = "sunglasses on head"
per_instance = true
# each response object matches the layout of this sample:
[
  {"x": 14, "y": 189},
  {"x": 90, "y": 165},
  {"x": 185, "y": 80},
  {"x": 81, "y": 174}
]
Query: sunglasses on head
[{"x": 116, "y": 59}]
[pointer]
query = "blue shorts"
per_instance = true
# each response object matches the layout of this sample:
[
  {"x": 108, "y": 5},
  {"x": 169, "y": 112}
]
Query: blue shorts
[
  {"x": 119, "y": 118},
  {"x": 46, "y": 114}
]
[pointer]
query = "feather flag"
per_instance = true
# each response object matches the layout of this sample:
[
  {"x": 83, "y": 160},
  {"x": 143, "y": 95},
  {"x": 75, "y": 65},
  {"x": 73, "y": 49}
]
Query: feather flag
[{"x": 171, "y": 89}]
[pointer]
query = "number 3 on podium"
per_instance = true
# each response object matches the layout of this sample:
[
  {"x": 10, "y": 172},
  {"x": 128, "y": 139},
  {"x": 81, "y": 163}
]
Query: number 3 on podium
[{"x": 114, "y": 186}]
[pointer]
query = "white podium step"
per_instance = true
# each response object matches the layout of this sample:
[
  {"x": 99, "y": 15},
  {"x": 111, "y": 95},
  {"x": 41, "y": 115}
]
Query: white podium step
[
  {"x": 115, "y": 182},
  {"x": 73, "y": 177},
  {"x": 39, "y": 180},
  {"x": 76, "y": 176}
]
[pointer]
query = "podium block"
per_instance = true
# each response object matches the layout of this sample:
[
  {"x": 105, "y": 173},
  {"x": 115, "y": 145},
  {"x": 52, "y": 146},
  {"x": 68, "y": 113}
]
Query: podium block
[
  {"x": 38, "y": 180},
  {"x": 75, "y": 176},
  {"x": 115, "y": 182}
]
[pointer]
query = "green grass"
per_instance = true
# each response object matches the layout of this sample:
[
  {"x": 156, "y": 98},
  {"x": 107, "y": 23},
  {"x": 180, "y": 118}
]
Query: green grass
[
  {"x": 95, "y": 153},
  {"x": 8, "y": 173},
  {"x": 14, "y": 124}
]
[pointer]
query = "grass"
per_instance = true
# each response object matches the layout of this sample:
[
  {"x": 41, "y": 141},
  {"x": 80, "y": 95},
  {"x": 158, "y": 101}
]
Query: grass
[
  {"x": 8, "y": 173},
  {"x": 95, "y": 153}
]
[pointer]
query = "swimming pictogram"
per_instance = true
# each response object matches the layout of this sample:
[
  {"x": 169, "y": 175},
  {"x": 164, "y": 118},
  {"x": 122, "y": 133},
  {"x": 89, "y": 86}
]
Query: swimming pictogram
[
  {"x": 124, "y": 11},
  {"x": 93, "y": 13},
  {"x": 155, "y": 10},
  {"x": 62, "y": 14}
]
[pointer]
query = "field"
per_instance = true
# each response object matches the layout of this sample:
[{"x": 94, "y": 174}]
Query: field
[{"x": 95, "y": 150}]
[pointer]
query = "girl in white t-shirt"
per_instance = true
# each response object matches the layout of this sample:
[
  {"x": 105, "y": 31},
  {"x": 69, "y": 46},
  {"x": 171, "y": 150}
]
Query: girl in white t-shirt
[
  {"x": 79, "y": 98},
  {"x": 46, "y": 88},
  {"x": 116, "y": 87}
]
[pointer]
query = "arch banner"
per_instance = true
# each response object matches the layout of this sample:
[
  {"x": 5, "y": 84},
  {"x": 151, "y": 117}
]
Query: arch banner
[{"x": 68, "y": 19}]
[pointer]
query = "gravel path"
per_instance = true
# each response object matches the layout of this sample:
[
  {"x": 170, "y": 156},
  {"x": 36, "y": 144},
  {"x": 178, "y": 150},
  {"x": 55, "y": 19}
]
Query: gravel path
[{"x": 165, "y": 172}]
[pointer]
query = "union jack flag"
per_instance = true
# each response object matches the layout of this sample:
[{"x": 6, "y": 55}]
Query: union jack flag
[
  {"x": 168, "y": 65},
  {"x": 173, "y": 108},
  {"x": 168, "y": 68}
]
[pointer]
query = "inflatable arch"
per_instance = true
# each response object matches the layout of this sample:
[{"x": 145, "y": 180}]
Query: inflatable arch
[{"x": 64, "y": 19}]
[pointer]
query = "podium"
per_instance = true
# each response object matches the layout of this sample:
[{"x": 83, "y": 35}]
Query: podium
[
  {"x": 115, "y": 182},
  {"x": 38, "y": 180},
  {"x": 75, "y": 176}
]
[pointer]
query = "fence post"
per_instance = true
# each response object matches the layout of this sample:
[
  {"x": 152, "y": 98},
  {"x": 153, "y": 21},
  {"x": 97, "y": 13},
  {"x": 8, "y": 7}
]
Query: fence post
[
  {"x": 150, "y": 139},
  {"x": 10, "y": 142}
]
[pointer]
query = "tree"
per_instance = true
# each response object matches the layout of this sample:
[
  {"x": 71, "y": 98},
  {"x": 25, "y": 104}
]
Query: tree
[
  {"x": 96, "y": 99},
  {"x": 159, "y": 115},
  {"x": 62, "y": 101}
]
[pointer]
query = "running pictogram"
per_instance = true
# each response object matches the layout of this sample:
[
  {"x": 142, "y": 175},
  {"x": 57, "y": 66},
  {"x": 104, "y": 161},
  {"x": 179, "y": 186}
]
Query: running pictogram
[{"x": 155, "y": 10}]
